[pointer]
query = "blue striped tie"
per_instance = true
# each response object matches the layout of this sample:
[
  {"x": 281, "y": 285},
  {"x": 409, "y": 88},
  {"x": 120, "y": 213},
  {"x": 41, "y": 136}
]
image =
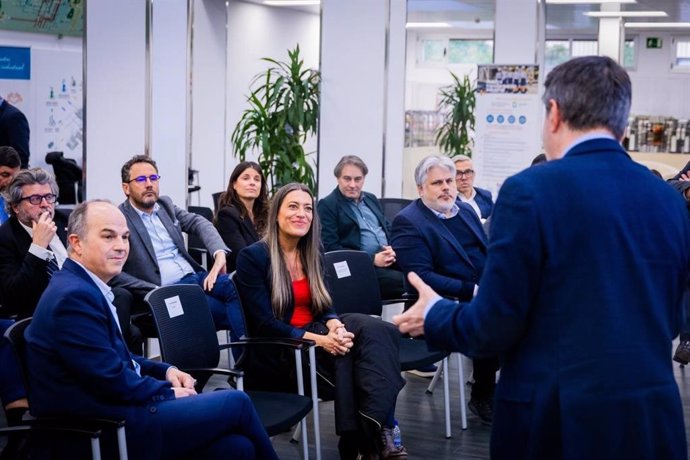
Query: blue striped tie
[{"x": 52, "y": 267}]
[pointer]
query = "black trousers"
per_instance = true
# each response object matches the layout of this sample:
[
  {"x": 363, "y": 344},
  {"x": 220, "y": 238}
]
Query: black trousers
[{"x": 484, "y": 377}]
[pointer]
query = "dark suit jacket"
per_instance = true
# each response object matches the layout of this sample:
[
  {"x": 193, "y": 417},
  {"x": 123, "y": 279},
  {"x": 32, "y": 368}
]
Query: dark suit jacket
[
  {"x": 23, "y": 276},
  {"x": 582, "y": 294},
  {"x": 339, "y": 227},
  {"x": 141, "y": 272},
  {"x": 425, "y": 246},
  {"x": 484, "y": 201},
  {"x": 237, "y": 233},
  {"x": 14, "y": 131},
  {"x": 80, "y": 366}
]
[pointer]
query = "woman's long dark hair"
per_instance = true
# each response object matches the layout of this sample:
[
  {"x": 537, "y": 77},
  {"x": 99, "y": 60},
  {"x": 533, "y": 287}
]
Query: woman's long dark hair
[
  {"x": 230, "y": 197},
  {"x": 309, "y": 248}
]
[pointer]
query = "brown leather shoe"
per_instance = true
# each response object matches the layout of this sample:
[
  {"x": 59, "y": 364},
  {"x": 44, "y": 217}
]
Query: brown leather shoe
[{"x": 388, "y": 448}]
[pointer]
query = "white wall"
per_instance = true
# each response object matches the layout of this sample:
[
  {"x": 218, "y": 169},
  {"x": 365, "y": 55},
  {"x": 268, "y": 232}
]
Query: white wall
[
  {"x": 115, "y": 92},
  {"x": 209, "y": 136},
  {"x": 257, "y": 31},
  {"x": 658, "y": 90}
]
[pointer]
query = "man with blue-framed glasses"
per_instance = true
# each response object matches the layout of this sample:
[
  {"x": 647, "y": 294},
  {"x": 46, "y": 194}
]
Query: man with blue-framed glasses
[{"x": 158, "y": 255}]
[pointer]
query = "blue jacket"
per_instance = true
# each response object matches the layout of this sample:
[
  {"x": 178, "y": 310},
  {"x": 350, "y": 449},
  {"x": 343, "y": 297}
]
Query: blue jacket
[
  {"x": 581, "y": 296},
  {"x": 484, "y": 201},
  {"x": 339, "y": 226},
  {"x": 425, "y": 246},
  {"x": 80, "y": 366}
]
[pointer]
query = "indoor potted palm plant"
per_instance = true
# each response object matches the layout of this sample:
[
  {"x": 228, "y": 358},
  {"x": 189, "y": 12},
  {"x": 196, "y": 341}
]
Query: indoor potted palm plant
[
  {"x": 458, "y": 103},
  {"x": 283, "y": 111}
]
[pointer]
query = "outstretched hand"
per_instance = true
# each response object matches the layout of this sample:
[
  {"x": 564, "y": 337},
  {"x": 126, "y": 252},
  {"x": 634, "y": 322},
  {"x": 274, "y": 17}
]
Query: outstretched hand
[{"x": 412, "y": 321}]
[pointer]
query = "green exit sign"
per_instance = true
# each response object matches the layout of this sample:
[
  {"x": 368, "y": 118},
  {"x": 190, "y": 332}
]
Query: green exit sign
[{"x": 654, "y": 42}]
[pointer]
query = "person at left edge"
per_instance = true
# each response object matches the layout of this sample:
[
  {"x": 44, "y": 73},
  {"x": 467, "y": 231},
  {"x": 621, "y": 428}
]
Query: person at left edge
[
  {"x": 14, "y": 130},
  {"x": 79, "y": 365},
  {"x": 9, "y": 166}
]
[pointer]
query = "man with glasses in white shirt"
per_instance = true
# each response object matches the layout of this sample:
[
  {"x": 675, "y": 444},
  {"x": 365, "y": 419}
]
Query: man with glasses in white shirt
[{"x": 479, "y": 199}]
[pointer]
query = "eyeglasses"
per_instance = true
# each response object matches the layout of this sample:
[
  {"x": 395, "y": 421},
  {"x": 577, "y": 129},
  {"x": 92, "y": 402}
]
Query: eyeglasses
[
  {"x": 142, "y": 179},
  {"x": 36, "y": 199},
  {"x": 465, "y": 173}
]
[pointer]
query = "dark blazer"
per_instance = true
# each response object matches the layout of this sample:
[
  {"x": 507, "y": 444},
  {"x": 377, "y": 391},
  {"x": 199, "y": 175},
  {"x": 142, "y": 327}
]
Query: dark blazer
[
  {"x": 425, "y": 246},
  {"x": 366, "y": 381},
  {"x": 254, "y": 287},
  {"x": 237, "y": 233},
  {"x": 23, "y": 276},
  {"x": 14, "y": 131},
  {"x": 581, "y": 295},
  {"x": 79, "y": 365},
  {"x": 484, "y": 201},
  {"x": 141, "y": 272},
  {"x": 339, "y": 227}
]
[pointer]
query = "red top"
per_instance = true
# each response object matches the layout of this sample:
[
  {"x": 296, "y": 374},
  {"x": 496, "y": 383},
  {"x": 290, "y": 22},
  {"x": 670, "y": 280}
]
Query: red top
[{"x": 302, "y": 314}]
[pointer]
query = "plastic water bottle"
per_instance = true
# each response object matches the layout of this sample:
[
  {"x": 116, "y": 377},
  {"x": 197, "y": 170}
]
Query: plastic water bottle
[{"x": 397, "y": 438}]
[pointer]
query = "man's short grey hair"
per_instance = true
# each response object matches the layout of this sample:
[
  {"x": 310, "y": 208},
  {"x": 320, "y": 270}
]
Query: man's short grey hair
[
  {"x": 77, "y": 223},
  {"x": 13, "y": 193},
  {"x": 457, "y": 158},
  {"x": 353, "y": 160},
  {"x": 591, "y": 92},
  {"x": 432, "y": 161}
]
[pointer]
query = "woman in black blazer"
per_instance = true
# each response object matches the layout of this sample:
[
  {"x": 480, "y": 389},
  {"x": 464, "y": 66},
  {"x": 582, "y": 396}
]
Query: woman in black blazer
[
  {"x": 242, "y": 209},
  {"x": 280, "y": 282}
]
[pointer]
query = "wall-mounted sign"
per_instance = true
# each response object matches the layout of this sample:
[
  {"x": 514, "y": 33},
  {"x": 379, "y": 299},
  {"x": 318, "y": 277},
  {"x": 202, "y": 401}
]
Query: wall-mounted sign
[
  {"x": 15, "y": 63},
  {"x": 654, "y": 42}
]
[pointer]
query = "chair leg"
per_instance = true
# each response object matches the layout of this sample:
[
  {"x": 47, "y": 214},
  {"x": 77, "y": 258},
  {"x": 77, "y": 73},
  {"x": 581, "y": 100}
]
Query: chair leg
[
  {"x": 297, "y": 433},
  {"x": 446, "y": 396},
  {"x": 95, "y": 449},
  {"x": 122, "y": 443},
  {"x": 461, "y": 381},
  {"x": 231, "y": 358},
  {"x": 315, "y": 402},
  {"x": 434, "y": 380}
]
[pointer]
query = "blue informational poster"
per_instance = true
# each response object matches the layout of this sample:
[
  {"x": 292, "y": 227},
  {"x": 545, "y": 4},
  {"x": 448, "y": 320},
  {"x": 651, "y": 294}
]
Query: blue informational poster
[{"x": 15, "y": 63}]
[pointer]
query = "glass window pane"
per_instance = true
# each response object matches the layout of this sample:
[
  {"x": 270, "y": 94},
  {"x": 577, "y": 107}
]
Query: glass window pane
[
  {"x": 682, "y": 58},
  {"x": 470, "y": 51},
  {"x": 585, "y": 48},
  {"x": 433, "y": 50},
  {"x": 629, "y": 54},
  {"x": 556, "y": 52}
]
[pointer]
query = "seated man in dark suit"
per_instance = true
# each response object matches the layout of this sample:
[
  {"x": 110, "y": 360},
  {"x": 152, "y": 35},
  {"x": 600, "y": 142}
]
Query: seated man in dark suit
[
  {"x": 79, "y": 365},
  {"x": 479, "y": 199},
  {"x": 442, "y": 240},
  {"x": 159, "y": 256},
  {"x": 32, "y": 247},
  {"x": 353, "y": 219}
]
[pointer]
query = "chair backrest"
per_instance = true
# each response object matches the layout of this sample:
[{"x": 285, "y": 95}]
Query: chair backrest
[
  {"x": 68, "y": 175},
  {"x": 15, "y": 335},
  {"x": 185, "y": 326},
  {"x": 352, "y": 282},
  {"x": 216, "y": 199},
  {"x": 202, "y": 211},
  {"x": 392, "y": 206}
]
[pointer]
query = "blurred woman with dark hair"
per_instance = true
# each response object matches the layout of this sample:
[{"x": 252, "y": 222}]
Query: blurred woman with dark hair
[{"x": 242, "y": 209}]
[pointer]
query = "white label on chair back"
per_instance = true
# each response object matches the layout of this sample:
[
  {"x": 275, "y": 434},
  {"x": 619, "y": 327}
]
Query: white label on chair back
[
  {"x": 174, "y": 306},
  {"x": 342, "y": 270}
]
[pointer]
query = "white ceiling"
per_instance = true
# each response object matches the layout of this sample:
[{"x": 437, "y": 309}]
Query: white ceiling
[{"x": 480, "y": 13}]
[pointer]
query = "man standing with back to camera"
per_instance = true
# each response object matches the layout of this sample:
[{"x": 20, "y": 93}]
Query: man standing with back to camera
[{"x": 582, "y": 292}]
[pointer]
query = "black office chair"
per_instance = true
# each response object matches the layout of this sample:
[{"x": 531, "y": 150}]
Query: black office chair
[
  {"x": 216, "y": 199},
  {"x": 195, "y": 246},
  {"x": 392, "y": 206},
  {"x": 189, "y": 341},
  {"x": 54, "y": 429},
  {"x": 68, "y": 176},
  {"x": 352, "y": 283}
]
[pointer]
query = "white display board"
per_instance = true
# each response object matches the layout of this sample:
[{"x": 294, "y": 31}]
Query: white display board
[{"x": 508, "y": 125}]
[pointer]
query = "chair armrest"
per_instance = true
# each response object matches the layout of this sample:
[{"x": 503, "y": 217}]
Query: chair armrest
[
  {"x": 301, "y": 344},
  {"x": 215, "y": 370}
]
